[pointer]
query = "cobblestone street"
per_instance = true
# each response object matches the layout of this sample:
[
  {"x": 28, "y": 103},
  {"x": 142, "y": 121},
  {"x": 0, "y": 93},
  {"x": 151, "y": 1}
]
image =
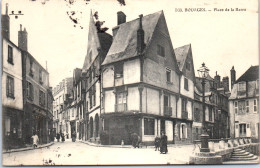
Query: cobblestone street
[{"x": 78, "y": 153}]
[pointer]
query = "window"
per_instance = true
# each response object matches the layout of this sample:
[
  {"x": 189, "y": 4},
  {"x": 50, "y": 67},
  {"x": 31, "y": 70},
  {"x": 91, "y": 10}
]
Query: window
[
  {"x": 119, "y": 70},
  {"x": 255, "y": 105},
  {"x": 160, "y": 50},
  {"x": 186, "y": 84},
  {"x": 236, "y": 107},
  {"x": 168, "y": 75},
  {"x": 242, "y": 130},
  {"x": 148, "y": 126},
  {"x": 183, "y": 104},
  {"x": 42, "y": 98},
  {"x": 241, "y": 107},
  {"x": 90, "y": 74},
  {"x": 94, "y": 72},
  {"x": 31, "y": 68},
  {"x": 10, "y": 87},
  {"x": 94, "y": 94},
  {"x": 90, "y": 98},
  {"x": 90, "y": 57},
  {"x": 210, "y": 114},
  {"x": 166, "y": 101},
  {"x": 257, "y": 84},
  {"x": 242, "y": 86},
  {"x": 10, "y": 55},
  {"x": 40, "y": 77},
  {"x": 247, "y": 106},
  {"x": 188, "y": 66},
  {"x": 29, "y": 91}
]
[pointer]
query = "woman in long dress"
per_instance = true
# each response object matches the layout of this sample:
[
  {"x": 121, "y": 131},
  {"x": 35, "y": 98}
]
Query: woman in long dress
[{"x": 163, "y": 147}]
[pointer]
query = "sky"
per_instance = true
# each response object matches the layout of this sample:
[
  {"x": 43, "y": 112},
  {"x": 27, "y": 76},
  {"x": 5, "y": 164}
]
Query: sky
[{"x": 221, "y": 39}]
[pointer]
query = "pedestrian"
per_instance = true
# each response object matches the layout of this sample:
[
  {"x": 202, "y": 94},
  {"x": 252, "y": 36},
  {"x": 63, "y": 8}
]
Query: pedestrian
[
  {"x": 135, "y": 140},
  {"x": 7, "y": 142},
  {"x": 58, "y": 137},
  {"x": 62, "y": 137},
  {"x": 74, "y": 135},
  {"x": 35, "y": 140},
  {"x": 163, "y": 146},
  {"x": 157, "y": 143}
]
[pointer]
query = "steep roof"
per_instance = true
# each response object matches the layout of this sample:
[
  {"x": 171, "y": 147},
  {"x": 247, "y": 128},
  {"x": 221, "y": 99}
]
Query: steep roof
[
  {"x": 181, "y": 55},
  {"x": 96, "y": 41},
  {"x": 251, "y": 74},
  {"x": 124, "y": 45}
]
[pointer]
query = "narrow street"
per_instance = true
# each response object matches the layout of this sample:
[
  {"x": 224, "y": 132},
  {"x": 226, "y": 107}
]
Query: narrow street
[{"x": 78, "y": 153}]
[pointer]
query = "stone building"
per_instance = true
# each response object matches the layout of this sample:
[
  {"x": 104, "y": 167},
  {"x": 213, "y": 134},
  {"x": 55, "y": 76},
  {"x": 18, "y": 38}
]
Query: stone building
[
  {"x": 98, "y": 46},
  {"x": 141, "y": 81},
  {"x": 243, "y": 104},
  {"x": 210, "y": 108},
  {"x": 61, "y": 95},
  {"x": 183, "y": 128},
  {"x": 12, "y": 98},
  {"x": 36, "y": 95}
]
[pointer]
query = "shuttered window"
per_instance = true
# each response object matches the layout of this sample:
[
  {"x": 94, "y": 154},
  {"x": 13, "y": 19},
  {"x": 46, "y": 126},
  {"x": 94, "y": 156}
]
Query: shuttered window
[{"x": 10, "y": 87}]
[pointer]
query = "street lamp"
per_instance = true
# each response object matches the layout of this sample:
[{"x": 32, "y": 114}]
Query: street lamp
[{"x": 203, "y": 74}]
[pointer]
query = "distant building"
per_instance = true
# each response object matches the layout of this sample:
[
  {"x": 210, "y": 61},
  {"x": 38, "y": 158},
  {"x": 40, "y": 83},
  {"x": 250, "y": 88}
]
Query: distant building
[
  {"x": 183, "y": 128},
  {"x": 62, "y": 94},
  {"x": 243, "y": 104}
]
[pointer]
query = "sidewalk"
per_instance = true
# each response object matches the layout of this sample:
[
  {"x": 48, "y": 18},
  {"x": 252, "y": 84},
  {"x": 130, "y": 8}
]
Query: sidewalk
[
  {"x": 28, "y": 148},
  {"x": 129, "y": 146}
]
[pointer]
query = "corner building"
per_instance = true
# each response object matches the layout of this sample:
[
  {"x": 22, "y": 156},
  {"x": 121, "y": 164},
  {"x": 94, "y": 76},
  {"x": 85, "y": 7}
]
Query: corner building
[{"x": 141, "y": 81}]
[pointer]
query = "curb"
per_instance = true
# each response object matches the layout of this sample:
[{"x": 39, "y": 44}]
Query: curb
[
  {"x": 125, "y": 146},
  {"x": 109, "y": 146},
  {"x": 28, "y": 148}
]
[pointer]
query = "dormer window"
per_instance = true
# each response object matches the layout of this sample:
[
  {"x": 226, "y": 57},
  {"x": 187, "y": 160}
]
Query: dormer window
[
  {"x": 160, "y": 50},
  {"x": 188, "y": 66},
  {"x": 119, "y": 70},
  {"x": 242, "y": 86}
]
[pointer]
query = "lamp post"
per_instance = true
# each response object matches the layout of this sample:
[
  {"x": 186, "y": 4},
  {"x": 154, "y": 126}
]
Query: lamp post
[{"x": 203, "y": 74}]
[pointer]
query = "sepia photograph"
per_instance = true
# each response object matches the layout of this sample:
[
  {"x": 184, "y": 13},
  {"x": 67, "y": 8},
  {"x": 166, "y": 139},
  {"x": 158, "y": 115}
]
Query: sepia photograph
[{"x": 130, "y": 82}]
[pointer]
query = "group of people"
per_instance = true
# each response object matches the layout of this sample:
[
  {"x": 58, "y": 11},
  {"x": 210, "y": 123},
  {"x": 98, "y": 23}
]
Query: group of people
[
  {"x": 60, "y": 135},
  {"x": 161, "y": 143}
]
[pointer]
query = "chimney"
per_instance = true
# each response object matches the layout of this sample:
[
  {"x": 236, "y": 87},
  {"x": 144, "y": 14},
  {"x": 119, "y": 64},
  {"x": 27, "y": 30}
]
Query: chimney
[
  {"x": 217, "y": 80},
  {"x": 233, "y": 76},
  {"x": 226, "y": 83},
  {"x": 140, "y": 36},
  {"x": 6, "y": 24},
  {"x": 121, "y": 17},
  {"x": 22, "y": 39}
]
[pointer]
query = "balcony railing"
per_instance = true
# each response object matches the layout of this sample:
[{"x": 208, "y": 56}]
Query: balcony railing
[
  {"x": 119, "y": 81},
  {"x": 184, "y": 115},
  {"x": 167, "y": 111},
  {"x": 120, "y": 107}
]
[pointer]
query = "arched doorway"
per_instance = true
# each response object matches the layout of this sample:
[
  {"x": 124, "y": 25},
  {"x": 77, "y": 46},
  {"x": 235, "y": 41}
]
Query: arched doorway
[
  {"x": 96, "y": 125},
  {"x": 91, "y": 127}
]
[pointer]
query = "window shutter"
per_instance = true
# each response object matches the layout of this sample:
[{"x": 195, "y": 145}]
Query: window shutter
[{"x": 7, "y": 86}]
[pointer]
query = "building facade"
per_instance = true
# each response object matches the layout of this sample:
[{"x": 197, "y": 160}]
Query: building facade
[
  {"x": 12, "y": 97},
  {"x": 141, "y": 81},
  {"x": 183, "y": 128},
  {"x": 61, "y": 95},
  {"x": 26, "y": 95},
  {"x": 243, "y": 104},
  {"x": 98, "y": 46}
]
